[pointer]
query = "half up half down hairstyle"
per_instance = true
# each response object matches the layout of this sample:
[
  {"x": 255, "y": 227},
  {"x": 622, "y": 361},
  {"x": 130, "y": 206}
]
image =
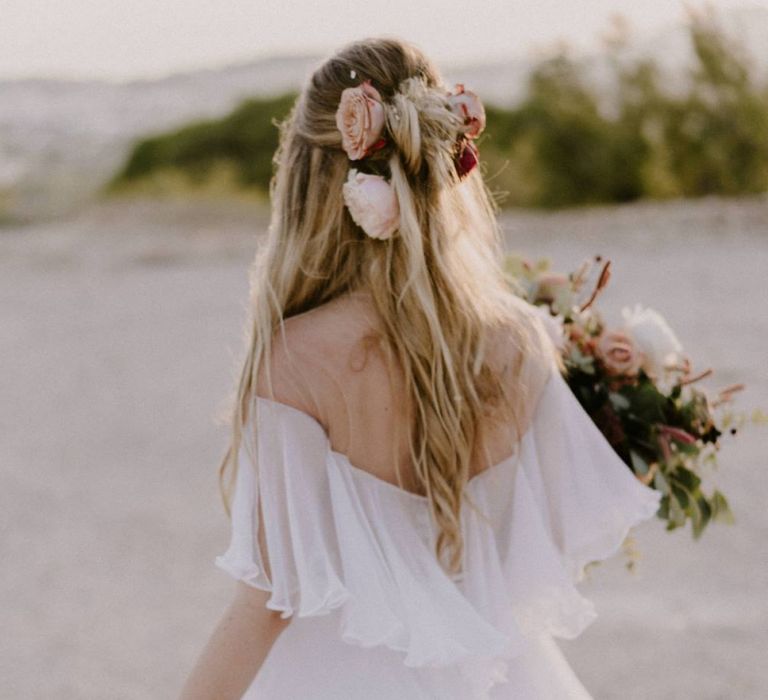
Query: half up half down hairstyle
[{"x": 437, "y": 285}]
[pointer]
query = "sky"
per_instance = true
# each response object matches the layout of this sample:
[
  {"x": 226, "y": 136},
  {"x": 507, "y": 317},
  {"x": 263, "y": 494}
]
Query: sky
[{"x": 133, "y": 39}]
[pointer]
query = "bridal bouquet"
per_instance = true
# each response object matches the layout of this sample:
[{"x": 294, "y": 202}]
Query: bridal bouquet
[{"x": 639, "y": 388}]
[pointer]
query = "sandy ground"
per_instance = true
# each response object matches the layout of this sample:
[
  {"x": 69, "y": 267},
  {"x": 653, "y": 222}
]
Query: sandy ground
[{"x": 119, "y": 334}]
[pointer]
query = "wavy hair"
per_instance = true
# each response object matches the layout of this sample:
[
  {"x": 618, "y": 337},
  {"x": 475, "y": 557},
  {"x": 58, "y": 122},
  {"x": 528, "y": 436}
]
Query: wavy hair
[{"x": 437, "y": 285}]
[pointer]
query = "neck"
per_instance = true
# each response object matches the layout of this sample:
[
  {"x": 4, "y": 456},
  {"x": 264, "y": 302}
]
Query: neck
[{"x": 362, "y": 291}]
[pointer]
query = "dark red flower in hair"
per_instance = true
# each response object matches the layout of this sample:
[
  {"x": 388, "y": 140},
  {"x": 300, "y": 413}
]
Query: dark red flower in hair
[{"x": 466, "y": 158}]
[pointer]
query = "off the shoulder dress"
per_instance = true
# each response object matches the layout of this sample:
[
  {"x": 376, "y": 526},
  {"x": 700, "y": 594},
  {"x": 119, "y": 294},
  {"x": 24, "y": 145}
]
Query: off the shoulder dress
[{"x": 375, "y": 617}]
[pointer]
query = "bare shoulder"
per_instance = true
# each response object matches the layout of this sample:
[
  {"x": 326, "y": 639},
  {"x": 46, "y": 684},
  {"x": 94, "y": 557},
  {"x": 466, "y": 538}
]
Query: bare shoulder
[
  {"x": 522, "y": 351},
  {"x": 307, "y": 351}
]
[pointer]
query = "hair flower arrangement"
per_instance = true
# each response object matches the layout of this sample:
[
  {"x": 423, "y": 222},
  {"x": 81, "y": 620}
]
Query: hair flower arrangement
[
  {"x": 371, "y": 200},
  {"x": 467, "y": 106},
  {"x": 360, "y": 118}
]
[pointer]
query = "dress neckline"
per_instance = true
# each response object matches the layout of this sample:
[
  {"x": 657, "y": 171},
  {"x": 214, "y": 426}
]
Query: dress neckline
[{"x": 377, "y": 480}]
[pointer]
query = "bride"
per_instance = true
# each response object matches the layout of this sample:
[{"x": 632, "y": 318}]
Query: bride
[{"x": 415, "y": 491}]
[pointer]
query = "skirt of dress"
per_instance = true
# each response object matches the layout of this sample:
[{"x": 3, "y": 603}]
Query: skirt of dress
[{"x": 310, "y": 662}]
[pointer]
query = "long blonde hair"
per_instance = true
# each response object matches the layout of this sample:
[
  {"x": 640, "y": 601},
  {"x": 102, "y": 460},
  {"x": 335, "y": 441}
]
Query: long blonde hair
[{"x": 437, "y": 285}]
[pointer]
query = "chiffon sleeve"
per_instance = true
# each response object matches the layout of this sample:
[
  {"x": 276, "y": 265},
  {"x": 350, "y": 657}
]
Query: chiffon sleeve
[
  {"x": 587, "y": 496},
  {"x": 282, "y": 517},
  {"x": 325, "y": 537}
]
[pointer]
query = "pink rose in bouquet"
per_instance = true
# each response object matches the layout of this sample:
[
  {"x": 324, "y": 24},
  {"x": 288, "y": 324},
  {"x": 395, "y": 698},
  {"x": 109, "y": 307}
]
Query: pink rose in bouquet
[{"x": 618, "y": 353}]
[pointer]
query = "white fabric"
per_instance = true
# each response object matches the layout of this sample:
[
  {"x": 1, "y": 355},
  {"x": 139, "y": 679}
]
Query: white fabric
[{"x": 375, "y": 616}]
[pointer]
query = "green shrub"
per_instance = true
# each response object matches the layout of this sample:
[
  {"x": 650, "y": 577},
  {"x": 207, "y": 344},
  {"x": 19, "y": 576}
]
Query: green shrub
[
  {"x": 245, "y": 140},
  {"x": 560, "y": 147}
]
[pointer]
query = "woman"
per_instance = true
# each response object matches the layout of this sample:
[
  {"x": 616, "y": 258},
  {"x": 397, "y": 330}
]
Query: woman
[{"x": 416, "y": 491}]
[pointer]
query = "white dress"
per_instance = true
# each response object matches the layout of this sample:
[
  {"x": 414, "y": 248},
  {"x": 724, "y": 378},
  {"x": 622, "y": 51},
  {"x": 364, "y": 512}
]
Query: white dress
[{"x": 375, "y": 616}]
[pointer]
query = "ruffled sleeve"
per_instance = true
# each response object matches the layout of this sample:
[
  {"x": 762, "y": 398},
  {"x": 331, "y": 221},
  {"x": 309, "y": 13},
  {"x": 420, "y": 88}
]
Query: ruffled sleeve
[
  {"x": 337, "y": 537},
  {"x": 563, "y": 500},
  {"x": 587, "y": 496},
  {"x": 339, "y": 540},
  {"x": 288, "y": 487}
]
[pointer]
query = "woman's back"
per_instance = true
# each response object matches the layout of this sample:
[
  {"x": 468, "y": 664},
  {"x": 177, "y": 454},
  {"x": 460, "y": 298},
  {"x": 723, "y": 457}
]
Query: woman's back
[
  {"x": 349, "y": 556},
  {"x": 331, "y": 363}
]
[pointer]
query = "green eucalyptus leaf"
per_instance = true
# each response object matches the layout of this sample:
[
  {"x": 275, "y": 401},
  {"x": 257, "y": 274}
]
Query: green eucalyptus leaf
[
  {"x": 721, "y": 511},
  {"x": 686, "y": 478},
  {"x": 680, "y": 494},
  {"x": 663, "y": 511},
  {"x": 639, "y": 465},
  {"x": 676, "y": 511},
  {"x": 660, "y": 482},
  {"x": 697, "y": 520},
  {"x": 619, "y": 402},
  {"x": 705, "y": 510}
]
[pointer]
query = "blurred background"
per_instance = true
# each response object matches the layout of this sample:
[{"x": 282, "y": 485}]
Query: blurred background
[{"x": 135, "y": 156}]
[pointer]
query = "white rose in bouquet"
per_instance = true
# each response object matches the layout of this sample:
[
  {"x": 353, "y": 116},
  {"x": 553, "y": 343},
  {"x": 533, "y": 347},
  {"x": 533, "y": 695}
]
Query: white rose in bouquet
[{"x": 654, "y": 338}]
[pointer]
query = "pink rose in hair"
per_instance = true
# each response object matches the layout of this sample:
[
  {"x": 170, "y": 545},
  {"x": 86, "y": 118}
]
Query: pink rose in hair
[
  {"x": 360, "y": 119},
  {"x": 468, "y": 107},
  {"x": 618, "y": 353},
  {"x": 372, "y": 203}
]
